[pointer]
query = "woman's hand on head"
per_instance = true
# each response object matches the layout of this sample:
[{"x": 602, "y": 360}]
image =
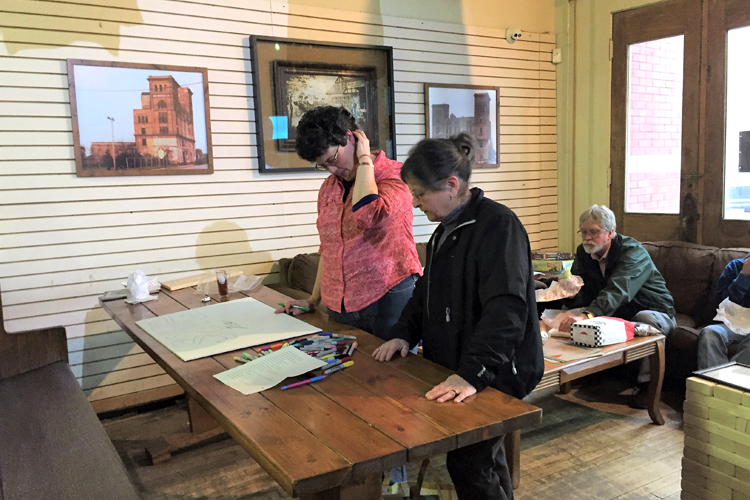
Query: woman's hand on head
[
  {"x": 363, "y": 144},
  {"x": 386, "y": 351},
  {"x": 289, "y": 308},
  {"x": 454, "y": 387}
]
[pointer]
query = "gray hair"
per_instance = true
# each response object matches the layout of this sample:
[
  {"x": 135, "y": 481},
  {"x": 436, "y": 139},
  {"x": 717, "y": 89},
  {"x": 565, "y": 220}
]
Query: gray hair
[{"x": 601, "y": 215}]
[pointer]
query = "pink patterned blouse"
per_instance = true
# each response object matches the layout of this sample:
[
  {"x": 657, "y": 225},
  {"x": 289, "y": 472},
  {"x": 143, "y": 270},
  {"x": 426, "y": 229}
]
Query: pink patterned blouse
[{"x": 366, "y": 251}]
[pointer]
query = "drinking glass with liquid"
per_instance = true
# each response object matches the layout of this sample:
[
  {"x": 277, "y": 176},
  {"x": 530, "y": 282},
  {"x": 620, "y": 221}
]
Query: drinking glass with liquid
[{"x": 222, "y": 280}]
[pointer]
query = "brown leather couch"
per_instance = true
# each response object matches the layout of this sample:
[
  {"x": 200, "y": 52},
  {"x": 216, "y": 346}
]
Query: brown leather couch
[
  {"x": 52, "y": 444},
  {"x": 691, "y": 272}
]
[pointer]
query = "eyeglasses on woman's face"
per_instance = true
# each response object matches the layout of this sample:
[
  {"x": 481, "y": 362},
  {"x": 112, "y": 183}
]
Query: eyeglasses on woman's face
[{"x": 329, "y": 162}]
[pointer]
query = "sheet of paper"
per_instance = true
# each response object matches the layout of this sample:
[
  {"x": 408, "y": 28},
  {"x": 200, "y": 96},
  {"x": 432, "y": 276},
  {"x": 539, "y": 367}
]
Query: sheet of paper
[
  {"x": 562, "y": 351},
  {"x": 227, "y": 326},
  {"x": 267, "y": 371}
]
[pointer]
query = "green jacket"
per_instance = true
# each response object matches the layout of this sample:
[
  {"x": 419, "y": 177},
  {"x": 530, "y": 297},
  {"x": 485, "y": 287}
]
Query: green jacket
[{"x": 631, "y": 282}]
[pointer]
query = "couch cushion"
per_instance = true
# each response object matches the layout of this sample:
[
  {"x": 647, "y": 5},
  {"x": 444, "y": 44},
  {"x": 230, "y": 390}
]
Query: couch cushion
[
  {"x": 52, "y": 445},
  {"x": 724, "y": 256},
  {"x": 687, "y": 268},
  {"x": 302, "y": 272}
]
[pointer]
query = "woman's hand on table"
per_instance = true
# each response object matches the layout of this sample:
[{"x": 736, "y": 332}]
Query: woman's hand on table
[
  {"x": 569, "y": 320},
  {"x": 386, "y": 351},
  {"x": 363, "y": 145},
  {"x": 454, "y": 388},
  {"x": 295, "y": 307}
]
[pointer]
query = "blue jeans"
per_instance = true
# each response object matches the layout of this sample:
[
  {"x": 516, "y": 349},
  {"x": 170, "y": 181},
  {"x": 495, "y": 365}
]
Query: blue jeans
[
  {"x": 713, "y": 345},
  {"x": 380, "y": 316}
]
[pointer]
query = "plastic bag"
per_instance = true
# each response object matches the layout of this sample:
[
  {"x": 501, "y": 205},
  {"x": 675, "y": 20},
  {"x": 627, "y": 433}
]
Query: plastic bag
[
  {"x": 137, "y": 288},
  {"x": 237, "y": 283},
  {"x": 560, "y": 289},
  {"x": 553, "y": 317},
  {"x": 736, "y": 317}
]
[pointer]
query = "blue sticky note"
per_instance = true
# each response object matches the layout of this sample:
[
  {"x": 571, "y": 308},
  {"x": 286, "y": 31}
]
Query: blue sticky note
[{"x": 280, "y": 127}]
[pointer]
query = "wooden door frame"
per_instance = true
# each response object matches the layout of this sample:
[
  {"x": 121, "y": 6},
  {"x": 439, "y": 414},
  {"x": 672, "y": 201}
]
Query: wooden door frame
[
  {"x": 723, "y": 15},
  {"x": 636, "y": 26}
]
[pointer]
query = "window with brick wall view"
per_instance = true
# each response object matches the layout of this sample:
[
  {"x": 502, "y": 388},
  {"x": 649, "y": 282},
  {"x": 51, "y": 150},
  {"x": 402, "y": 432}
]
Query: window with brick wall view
[
  {"x": 654, "y": 126},
  {"x": 737, "y": 146}
]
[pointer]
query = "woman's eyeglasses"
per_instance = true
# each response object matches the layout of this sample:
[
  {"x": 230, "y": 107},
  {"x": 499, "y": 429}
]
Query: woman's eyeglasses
[{"x": 329, "y": 162}]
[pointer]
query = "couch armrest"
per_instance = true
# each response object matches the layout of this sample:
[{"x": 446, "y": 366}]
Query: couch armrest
[{"x": 25, "y": 351}]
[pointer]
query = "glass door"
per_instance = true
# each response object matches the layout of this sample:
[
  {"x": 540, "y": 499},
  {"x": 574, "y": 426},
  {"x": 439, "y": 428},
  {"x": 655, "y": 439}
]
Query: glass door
[
  {"x": 727, "y": 206},
  {"x": 655, "y": 120}
]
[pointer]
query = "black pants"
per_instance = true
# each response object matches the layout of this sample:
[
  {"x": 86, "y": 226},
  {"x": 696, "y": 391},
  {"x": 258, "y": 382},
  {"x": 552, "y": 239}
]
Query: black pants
[{"x": 480, "y": 471}]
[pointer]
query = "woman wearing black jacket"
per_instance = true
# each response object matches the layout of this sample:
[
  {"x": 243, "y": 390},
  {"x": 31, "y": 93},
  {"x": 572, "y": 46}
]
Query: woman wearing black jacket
[{"x": 474, "y": 307}]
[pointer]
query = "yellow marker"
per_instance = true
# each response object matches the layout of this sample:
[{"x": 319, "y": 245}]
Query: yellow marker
[
  {"x": 240, "y": 360},
  {"x": 328, "y": 355},
  {"x": 337, "y": 368},
  {"x": 286, "y": 344}
]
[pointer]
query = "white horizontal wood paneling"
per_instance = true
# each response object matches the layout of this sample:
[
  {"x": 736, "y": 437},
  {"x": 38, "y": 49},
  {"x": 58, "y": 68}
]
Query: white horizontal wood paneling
[{"x": 64, "y": 240}]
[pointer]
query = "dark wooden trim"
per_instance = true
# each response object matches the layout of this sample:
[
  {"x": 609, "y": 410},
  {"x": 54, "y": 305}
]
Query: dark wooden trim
[
  {"x": 80, "y": 172},
  {"x": 641, "y": 24},
  {"x": 723, "y": 15},
  {"x": 428, "y": 86}
]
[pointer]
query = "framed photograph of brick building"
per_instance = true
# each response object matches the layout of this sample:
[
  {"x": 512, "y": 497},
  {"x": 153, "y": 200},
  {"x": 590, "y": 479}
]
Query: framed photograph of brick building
[
  {"x": 291, "y": 77},
  {"x": 138, "y": 119},
  {"x": 451, "y": 109}
]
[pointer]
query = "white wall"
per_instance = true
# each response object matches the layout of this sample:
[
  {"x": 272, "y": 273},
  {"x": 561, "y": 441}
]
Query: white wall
[{"x": 64, "y": 240}]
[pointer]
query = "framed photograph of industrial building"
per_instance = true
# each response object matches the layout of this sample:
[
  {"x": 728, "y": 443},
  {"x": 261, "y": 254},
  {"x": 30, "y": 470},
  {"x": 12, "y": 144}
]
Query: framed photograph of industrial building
[
  {"x": 291, "y": 77},
  {"x": 138, "y": 119},
  {"x": 301, "y": 87},
  {"x": 451, "y": 109}
]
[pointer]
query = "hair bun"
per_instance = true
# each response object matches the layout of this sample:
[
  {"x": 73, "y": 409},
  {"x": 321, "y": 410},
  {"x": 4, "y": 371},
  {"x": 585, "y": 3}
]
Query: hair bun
[{"x": 465, "y": 145}]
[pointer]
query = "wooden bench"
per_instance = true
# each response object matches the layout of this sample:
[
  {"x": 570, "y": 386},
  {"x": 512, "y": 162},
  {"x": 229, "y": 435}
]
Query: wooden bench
[{"x": 52, "y": 444}]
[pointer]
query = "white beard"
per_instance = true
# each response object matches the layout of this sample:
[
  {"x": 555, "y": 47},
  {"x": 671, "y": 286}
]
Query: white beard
[{"x": 590, "y": 248}]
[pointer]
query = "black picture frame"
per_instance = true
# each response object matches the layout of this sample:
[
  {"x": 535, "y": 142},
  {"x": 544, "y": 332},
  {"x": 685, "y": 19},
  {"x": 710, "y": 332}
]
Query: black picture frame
[
  {"x": 732, "y": 374},
  {"x": 275, "y": 60},
  {"x": 442, "y": 102},
  {"x": 347, "y": 77}
]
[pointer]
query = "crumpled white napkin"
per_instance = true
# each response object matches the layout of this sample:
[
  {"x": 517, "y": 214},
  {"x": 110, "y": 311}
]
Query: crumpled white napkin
[
  {"x": 137, "y": 289},
  {"x": 736, "y": 317}
]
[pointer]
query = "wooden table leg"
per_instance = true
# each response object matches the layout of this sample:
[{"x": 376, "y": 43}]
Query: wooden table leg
[
  {"x": 565, "y": 388},
  {"x": 513, "y": 457},
  {"x": 369, "y": 488},
  {"x": 656, "y": 365},
  {"x": 204, "y": 430}
]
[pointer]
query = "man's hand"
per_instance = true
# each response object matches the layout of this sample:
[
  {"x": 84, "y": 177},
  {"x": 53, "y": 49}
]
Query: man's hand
[
  {"x": 386, "y": 351},
  {"x": 746, "y": 267},
  {"x": 454, "y": 387},
  {"x": 569, "y": 320},
  {"x": 289, "y": 307}
]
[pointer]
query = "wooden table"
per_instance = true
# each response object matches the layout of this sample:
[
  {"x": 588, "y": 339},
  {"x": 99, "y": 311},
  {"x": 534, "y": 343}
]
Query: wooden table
[
  {"x": 562, "y": 374},
  {"x": 334, "y": 439}
]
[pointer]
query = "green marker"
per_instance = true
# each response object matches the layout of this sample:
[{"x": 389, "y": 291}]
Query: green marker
[{"x": 303, "y": 308}]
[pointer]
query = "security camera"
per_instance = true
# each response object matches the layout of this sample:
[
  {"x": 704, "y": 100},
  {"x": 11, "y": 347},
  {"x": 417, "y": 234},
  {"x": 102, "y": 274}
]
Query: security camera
[{"x": 513, "y": 34}]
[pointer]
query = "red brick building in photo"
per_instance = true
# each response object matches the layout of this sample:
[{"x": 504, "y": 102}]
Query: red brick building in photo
[{"x": 163, "y": 128}]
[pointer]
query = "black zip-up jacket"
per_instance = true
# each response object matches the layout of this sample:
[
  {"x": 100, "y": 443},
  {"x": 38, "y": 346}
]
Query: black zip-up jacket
[{"x": 474, "y": 308}]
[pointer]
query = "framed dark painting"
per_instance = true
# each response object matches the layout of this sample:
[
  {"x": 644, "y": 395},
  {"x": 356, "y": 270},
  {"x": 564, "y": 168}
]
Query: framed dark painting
[
  {"x": 451, "y": 109},
  {"x": 301, "y": 87},
  {"x": 139, "y": 119},
  {"x": 291, "y": 77}
]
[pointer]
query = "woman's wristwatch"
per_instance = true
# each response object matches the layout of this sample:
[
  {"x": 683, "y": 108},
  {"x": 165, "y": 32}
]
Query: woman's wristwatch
[{"x": 588, "y": 314}]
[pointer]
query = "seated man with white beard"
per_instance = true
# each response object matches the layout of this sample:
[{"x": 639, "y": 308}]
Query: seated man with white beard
[{"x": 619, "y": 280}]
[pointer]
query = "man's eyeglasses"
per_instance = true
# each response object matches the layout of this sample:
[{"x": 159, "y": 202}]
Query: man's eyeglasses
[
  {"x": 593, "y": 233},
  {"x": 329, "y": 162}
]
